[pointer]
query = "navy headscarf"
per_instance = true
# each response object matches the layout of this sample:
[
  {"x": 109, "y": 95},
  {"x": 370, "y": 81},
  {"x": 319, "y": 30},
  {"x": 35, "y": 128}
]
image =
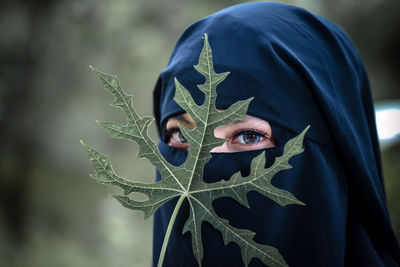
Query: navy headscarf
[{"x": 301, "y": 70}]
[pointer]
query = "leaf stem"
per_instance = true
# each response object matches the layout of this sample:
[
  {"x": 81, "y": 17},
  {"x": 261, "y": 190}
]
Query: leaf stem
[{"x": 169, "y": 230}]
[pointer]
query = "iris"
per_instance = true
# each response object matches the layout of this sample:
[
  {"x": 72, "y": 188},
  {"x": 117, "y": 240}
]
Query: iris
[{"x": 249, "y": 137}]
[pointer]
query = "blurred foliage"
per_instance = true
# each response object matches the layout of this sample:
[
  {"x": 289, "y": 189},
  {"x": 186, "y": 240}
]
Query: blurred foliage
[
  {"x": 391, "y": 171},
  {"x": 51, "y": 214}
]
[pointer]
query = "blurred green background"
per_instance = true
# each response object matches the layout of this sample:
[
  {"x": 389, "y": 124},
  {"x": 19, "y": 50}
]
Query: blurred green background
[{"x": 51, "y": 213}]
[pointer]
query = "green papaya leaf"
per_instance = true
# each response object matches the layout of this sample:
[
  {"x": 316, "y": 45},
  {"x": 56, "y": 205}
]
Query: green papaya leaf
[{"x": 186, "y": 181}]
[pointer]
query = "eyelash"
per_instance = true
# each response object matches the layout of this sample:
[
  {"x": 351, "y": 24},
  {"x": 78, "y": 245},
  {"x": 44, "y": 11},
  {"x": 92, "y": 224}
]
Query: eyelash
[
  {"x": 169, "y": 133},
  {"x": 257, "y": 133}
]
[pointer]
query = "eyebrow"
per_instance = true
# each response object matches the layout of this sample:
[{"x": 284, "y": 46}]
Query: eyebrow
[
  {"x": 239, "y": 121},
  {"x": 183, "y": 119}
]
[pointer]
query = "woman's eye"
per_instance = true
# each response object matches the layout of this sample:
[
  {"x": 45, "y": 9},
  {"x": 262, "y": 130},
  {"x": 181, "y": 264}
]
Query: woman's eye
[
  {"x": 178, "y": 137},
  {"x": 248, "y": 137},
  {"x": 175, "y": 138}
]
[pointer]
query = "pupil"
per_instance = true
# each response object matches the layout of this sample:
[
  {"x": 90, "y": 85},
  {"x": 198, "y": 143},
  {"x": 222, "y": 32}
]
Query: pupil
[{"x": 251, "y": 138}]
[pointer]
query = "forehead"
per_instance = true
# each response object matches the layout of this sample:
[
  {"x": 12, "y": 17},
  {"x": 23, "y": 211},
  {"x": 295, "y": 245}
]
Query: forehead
[{"x": 185, "y": 118}]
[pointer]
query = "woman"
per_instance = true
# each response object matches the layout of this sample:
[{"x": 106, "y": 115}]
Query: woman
[{"x": 301, "y": 70}]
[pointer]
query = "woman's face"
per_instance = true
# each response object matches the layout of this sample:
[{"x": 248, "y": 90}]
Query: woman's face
[{"x": 251, "y": 133}]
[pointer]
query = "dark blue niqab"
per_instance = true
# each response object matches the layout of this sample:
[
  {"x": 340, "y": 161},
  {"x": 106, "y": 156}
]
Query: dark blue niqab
[{"x": 301, "y": 70}]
